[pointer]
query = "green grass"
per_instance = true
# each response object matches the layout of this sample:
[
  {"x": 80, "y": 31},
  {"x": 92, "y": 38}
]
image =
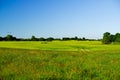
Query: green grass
[
  {"x": 80, "y": 60},
  {"x": 60, "y": 45}
]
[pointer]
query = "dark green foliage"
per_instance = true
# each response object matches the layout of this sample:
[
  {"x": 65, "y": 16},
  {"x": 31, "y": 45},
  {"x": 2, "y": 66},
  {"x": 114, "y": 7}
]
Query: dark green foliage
[
  {"x": 109, "y": 38},
  {"x": 112, "y": 38},
  {"x": 74, "y": 38},
  {"x": 9, "y": 38},
  {"x": 1, "y": 38},
  {"x": 65, "y": 38},
  {"x": 50, "y": 39},
  {"x": 117, "y": 37},
  {"x": 106, "y": 38},
  {"x": 33, "y": 38},
  {"x": 83, "y": 38},
  {"x": 41, "y": 39},
  {"x": 57, "y": 39}
]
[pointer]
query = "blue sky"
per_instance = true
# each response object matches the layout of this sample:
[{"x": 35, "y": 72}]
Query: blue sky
[{"x": 59, "y": 18}]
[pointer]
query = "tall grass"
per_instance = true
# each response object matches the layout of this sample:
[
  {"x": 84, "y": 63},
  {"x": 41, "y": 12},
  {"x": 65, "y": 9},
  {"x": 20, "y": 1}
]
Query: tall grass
[{"x": 21, "y": 64}]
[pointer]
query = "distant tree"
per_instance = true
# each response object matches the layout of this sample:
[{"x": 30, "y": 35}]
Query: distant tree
[
  {"x": 79, "y": 39},
  {"x": 9, "y": 38},
  {"x": 41, "y": 39},
  {"x": 27, "y": 39},
  {"x": 83, "y": 39},
  {"x": 65, "y": 38},
  {"x": 50, "y": 39},
  {"x": 112, "y": 38},
  {"x": 57, "y": 39},
  {"x": 72, "y": 38},
  {"x": 106, "y": 38},
  {"x": 76, "y": 38},
  {"x": 1, "y": 38},
  {"x": 33, "y": 38},
  {"x": 117, "y": 37},
  {"x": 92, "y": 40}
]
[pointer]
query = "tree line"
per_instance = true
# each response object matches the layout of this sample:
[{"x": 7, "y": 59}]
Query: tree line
[
  {"x": 33, "y": 38},
  {"x": 109, "y": 38}
]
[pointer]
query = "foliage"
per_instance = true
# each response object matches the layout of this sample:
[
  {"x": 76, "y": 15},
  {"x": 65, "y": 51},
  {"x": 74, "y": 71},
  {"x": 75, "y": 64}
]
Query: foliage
[
  {"x": 109, "y": 38},
  {"x": 112, "y": 38},
  {"x": 50, "y": 39},
  {"x": 1, "y": 38},
  {"x": 33, "y": 38},
  {"x": 41, "y": 39},
  {"x": 117, "y": 37},
  {"x": 10, "y": 38},
  {"x": 106, "y": 38}
]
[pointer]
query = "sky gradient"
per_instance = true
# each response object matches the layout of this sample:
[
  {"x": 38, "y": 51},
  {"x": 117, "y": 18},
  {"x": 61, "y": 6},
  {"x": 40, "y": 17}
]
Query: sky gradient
[{"x": 59, "y": 18}]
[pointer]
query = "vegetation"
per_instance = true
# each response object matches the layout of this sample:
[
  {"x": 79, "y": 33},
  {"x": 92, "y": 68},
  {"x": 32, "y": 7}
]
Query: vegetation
[
  {"x": 109, "y": 38},
  {"x": 33, "y": 38},
  {"x": 106, "y": 38},
  {"x": 60, "y": 45},
  {"x": 59, "y": 60}
]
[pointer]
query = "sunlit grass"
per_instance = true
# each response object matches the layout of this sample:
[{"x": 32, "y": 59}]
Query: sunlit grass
[
  {"x": 80, "y": 60},
  {"x": 60, "y": 45}
]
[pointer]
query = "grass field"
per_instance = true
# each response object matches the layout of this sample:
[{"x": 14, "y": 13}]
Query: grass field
[
  {"x": 60, "y": 45},
  {"x": 59, "y": 60}
]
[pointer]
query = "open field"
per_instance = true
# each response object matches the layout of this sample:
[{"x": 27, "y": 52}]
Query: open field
[
  {"x": 59, "y": 60},
  {"x": 60, "y": 45}
]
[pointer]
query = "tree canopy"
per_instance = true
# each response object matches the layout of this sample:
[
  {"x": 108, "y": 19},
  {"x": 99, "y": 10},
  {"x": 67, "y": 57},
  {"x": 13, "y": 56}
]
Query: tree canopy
[{"x": 109, "y": 38}]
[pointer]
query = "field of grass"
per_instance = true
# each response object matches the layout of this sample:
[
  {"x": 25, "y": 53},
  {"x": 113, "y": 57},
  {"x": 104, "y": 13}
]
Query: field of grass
[
  {"x": 59, "y": 60},
  {"x": 60, "y": 45}
]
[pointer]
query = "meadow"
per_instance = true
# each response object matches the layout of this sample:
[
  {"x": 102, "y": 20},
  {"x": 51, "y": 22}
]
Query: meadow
[
  {"x": 59, "y": 60},
  {"x": 60, "y": 45}
]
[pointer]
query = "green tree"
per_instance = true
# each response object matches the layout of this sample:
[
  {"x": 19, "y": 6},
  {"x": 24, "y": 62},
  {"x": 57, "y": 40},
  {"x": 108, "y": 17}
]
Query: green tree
[
  {"x": 41, "y": 39},
  {"x": 33, "y": 38},
  {"x": 117, "y": 37},
  {"x": 65, "y": 38},
  {"x": 50, "y": 39},
  {"x": 1, "y": 38},
  {"x": 76, "y": 38},
  {"x": 83, "y": 39},
  {"x": 106, "y": 38},
  {"x": 9, "y": 38},
  {"x": 112, "y": 38}
]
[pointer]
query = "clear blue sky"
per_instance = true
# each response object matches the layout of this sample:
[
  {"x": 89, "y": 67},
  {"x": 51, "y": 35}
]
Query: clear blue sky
[{"x": 59, "y": 18}]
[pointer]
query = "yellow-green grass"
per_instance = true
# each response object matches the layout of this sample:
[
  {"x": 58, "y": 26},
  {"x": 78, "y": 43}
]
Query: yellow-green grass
[
  {"x": 60, "y": 45},
  {"x": 59, "y": 60},
  {"x": 17, "y": 64}
]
